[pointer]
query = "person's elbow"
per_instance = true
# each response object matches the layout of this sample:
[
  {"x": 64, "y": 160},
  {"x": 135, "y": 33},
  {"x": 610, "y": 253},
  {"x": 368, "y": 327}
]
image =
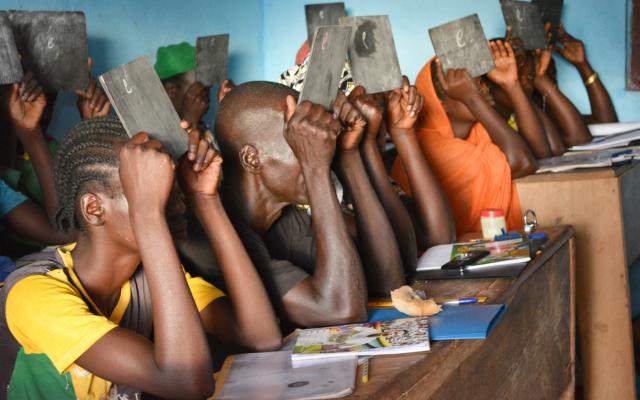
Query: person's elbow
[
  {"x": 523, "y": 166},
  {"x": 264, "y": 343}
]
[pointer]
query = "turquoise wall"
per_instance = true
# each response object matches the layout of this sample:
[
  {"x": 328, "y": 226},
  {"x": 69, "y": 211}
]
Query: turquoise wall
[
  {"x": 600, "y": 24},
  {"x": 266, "y": 34}
]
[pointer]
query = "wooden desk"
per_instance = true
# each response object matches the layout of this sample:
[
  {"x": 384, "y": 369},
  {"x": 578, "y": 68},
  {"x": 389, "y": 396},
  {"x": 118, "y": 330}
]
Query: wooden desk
[
  {"x": 529, "y": 355},
  {"x": 603, "y": 206}
]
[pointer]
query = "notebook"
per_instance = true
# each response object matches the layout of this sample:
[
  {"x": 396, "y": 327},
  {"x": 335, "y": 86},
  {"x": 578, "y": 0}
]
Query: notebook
[
  {"x": 501, "y": 254},
  {"x": 53, "y": 46},
  {"x": 10, "y": 66},
  {"x": 589, "y": 159},
  {"x": 142, "y": 104},
  {"x": 328, "y": 55},
  {"x": 407, "y": 335},
  {"x": 372, "y": 53},
  {"x": 621, "y": 139},
  {"x": 453, "y": 322},
  {"x": 271, "y": 376},
  {"x": 212, "y": 54},
  {"x": 526, "y": 22},
  {"x": 462, "y": 44},
  {"x": 613, "y": 128}
]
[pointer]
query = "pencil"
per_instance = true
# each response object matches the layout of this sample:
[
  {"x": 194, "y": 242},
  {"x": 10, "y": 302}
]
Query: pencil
[{"x": 365, "y": 370}]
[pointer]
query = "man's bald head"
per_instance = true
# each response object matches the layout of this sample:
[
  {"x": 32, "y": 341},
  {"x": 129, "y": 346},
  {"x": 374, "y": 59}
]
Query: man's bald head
[{"x": 253, "y": 114}]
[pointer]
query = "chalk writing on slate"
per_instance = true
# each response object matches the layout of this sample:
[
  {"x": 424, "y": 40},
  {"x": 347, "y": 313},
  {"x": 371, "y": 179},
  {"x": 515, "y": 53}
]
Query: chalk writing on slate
[
  {"x": 526, "y": 21},
  {"x": 322, "y": 15},
  {"x": 551, "y": 11},
  {"x": 372, "y": 53},
  {"x": 326, "y": 62},
  {"x": 212, "y": 54},
  {"x": 10, "y": 67},
  {"x": 462, "y": 44},
  {"x": 142, "y": 104},
  {"x": 53, "y": 46}
]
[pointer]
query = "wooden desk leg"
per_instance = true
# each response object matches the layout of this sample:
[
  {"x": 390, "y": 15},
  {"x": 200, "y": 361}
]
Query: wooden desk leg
[
  {"x": 570, "y": 391},
  {"x": 593, "y": 207}
]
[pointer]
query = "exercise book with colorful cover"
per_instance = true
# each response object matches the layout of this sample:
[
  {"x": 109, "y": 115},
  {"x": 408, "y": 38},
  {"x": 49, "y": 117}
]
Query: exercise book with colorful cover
[
  {"x": 500, "y": 254},
  {"x": 407, "y": 335}
]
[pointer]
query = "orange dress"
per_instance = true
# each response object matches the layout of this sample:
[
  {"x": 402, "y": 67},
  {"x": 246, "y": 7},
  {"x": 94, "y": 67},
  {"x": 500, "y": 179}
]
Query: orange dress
[{"x": 474, "y": 173}]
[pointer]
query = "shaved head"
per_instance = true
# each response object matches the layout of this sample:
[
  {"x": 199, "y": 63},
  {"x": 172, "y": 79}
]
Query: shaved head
[{"x": 253, "y": 114}]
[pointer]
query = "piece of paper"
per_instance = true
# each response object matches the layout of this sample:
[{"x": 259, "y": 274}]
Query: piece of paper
[
  {"x": 53, "y": 46},
  {"x": 138, "y": 97},
  {"x": 10, "y": 67},
  {"x": 372, "y": 53},
  {"x": 212, "y": 55},
  {"x": 328, "y": 55},
  {"x": 622, "y": 139},
  {"x": 322, "y": 15},
  {"x": 435, "y": 257},
  {"x": 613, "y": 128},
  {"x": 271, "y": 376},
  {"x": 526, "y": 22},
  {"x": 463, "y": 44}
]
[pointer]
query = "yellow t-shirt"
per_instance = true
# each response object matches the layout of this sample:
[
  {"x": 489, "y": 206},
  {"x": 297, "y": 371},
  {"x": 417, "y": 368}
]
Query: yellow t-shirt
[{"x": 47, "y": 315}]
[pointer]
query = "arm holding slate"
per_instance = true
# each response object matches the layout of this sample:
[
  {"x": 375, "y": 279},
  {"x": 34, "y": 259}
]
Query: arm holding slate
[
  {"x": 380, "y": 256},
  {"x": 397, "y": 214},
  {"x": 336, "y": 292}
]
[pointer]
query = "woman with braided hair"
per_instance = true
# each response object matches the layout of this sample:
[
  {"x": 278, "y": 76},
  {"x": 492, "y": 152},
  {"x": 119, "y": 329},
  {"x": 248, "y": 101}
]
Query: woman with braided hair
[{"x": 114, "y": 314}]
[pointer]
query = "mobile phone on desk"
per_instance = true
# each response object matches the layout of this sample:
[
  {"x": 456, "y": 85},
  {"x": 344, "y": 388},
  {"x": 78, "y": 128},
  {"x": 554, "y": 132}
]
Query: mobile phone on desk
[{"x": 462, "y": 260}]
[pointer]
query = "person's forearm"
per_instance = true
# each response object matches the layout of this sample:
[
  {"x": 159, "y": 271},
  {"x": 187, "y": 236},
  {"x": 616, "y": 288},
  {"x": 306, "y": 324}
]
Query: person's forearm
[
  {"x": 430, "y": 203},
  {"x": 36, "y": 146},
  {"x": 378, "y": 249},
  {"x": 338, "y": 281},
  {"x": 602, "y": 109},
  {"x": 573, "y": 129},
  {"x": 180, "y": 346},
  {"x": 520, "y": 158},
  {"x": 255, "y": 321},
  {"x": 529, "y": 125},
  {"x": 556, "y": 144},
  {"x": 397, "y": 214}
]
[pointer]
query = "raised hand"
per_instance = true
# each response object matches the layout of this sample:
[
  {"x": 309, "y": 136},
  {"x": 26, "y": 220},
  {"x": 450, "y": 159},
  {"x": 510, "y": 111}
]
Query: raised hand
[
  {"x": 353, "y": 123},
  {"x": 370, "y": 108},
  {"x": 506, "y": 71},
  {"x": 572, "y": 49},
  {"x": 457, "y": 83},
  {"x": 403, "y": 106},
  {"x": 200, "y": 151},
  {"x": 27, "y": 103},
  {"x": 311, "y": 132},
  {"x": 143, "y": 162},
  {"x": 195, "y": 103},
  {"x": 92, "y": 102},
  {"x": 202, "y": 180},
  {"x": 543, "y": 59},
  {"x": 225, "y": 87}
]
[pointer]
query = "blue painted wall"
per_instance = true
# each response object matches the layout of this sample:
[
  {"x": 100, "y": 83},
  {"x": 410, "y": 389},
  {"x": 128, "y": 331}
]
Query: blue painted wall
[
  {"x": 600, "y": 24},
  {"x": 266, "y": 34},
  {"x": 120, "y": 31}
]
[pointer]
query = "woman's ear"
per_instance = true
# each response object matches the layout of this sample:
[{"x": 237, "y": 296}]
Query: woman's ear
[
  {"x": 92, "y": 210},
  {"x": 249, "y": 159}
]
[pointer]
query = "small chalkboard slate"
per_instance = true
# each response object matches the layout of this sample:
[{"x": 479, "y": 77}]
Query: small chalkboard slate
[
  {"x": 322, "y": 15},
  {"x": 212, "y": 54},
  {"x": 142, "y": 104},
  {"x": 372, "y": 53},
  {"x": 326, "y": 62},
  {"x": 526, "y": 22},
  {"x": 462, "y": 44},
  {"x": 10, "y": 67},
  {"x": 53, "y": 46},
  {"x": 551, "y": 11}
]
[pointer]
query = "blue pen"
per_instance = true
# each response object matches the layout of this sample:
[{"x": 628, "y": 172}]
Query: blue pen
[{"x": 469, "y": 300}]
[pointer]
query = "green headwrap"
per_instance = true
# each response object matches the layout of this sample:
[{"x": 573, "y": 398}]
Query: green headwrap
[{"x": 175, "y": 60}]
